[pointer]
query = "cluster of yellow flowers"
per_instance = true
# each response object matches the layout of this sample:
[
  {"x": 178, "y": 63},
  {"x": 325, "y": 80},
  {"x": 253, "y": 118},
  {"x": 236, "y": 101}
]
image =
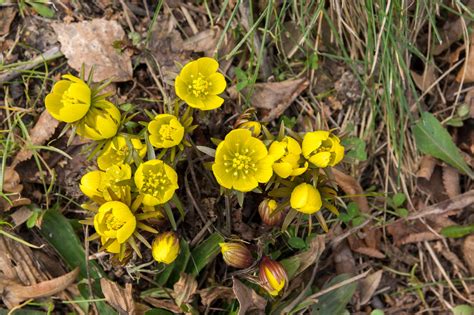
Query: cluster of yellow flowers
[
  {"x": 131, "y": 191},
  {"x": 133, "y": 188}
]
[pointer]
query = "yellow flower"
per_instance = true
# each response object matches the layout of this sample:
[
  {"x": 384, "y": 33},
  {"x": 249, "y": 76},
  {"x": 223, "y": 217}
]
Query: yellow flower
[
  {"x": 236, "y": 255},
  {"x": 199, "y": 83},
  {"x": 286, "y": 154},
  {"x": 99, "y": 184},
  {"x": 156, "y": 181},
  {"x": 305, "y": 198},
  {"x": 165, "y": 247},
  {"x": 117, "y": 150},
  {"x": 165, "y": 131},
  {"x": 101, "y": 121},
  {"x": 322, "y": 148},
  {"x": 273, "y": 277},
  {"x": 242, "y": 161},
  {"x": 69, "y": 100},
  {"x": 253, "y": 126},
  {"x": 115, "y": 223}
]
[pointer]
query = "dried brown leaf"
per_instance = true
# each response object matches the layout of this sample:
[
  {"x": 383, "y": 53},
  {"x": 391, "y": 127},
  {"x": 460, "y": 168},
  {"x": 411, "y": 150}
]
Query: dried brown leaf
[
  {"x": 404, "y": 232},
  {"x": 369, "y": 285},
  {"x": 312, "y": 255},
  {"x": 352, "y": 187},
  {"x": 21, "y": 215},
  {"x": 13, "y": 293},
  {"x": 184, "y": 288},
  {"x": 205, "y": 41},
  {"x": 166, "y": 304},
  {"x": 468, "y": 251},
  {"x": 343, "y": 259},
  {"x": 427, "y": 166},
  {"x": 426, "y": 79},
  {"x": 16, "y": 200},
  {"x": 120, "y": 299},
  {"x": 41, "y": 132},
  {"x": 467, "y": 70},
  {"x": 11, "y": 181},
  {"x": 248, "y": 299},
  {"x": 451, "y": 181},
  {"x": 91, "y": 43},
  {"x": 274, "y": 97},
  {"x": 209, "y": 295},
  {"x": 469, "y": 100},
  {"x": 371, "y": 252},
  {"x": 7, "y": 15}
]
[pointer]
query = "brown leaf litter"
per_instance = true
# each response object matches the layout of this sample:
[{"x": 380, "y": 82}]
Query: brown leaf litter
[
  {"x": 248, "y": 299},
  {"x": 466, "y": 74},
  {"x": 7, "y": 15},
  {"x": 91, "y": 43},
  {"x": 120, "y": 299},
  {"x": 21, "y": 278},
  {"x": 273, "y": 98}
]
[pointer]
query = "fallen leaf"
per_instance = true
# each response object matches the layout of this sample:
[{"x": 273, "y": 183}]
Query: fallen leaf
[
  {"x": 11, "y": 181},
  {"x": 21, "y": 215},
  {"x": 300, "y": 262},
  {"x": 371, "y": 252},
  {"x": 273, "y": 97},
  {"x": 467, "y": 70},
  {"x": 7, "y": 15},
  {"x": 91, "y": 43},
  {"x": 209, "y": 295},
  {"x": 469, "y": 100},
  {"x": 166, "y": 304},
  {"x": 451, "y": 181},
  {"x": 184, "y": 288},
  {"x": 344, "y": 260},
  {"x": 352, "y": 187},
  {"x": 248, "y": 299},
  {"x": 468, "y": 251},
  {"x": 16, "y": 200},
  {"x": 39, "y": 134},
  {"x": 13, "y": 293},
  {"x": 205, "y": 41},
  {"x": 427, "y": 166},
  {"x": 120, "y": 299},
  {"x": 426, "y": 79},
  {"x": 369, "y": 285}
]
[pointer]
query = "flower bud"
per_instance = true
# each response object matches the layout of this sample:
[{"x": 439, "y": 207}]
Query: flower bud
[
  {"x": 165, "y": 247},
  {"x": 254, "y": 126},
  {"x": 236, "y": 255},
  {"x": 306, "y": 199},
  {"x": 266, "y": 209},
  {"x": 273, "y": 277}
]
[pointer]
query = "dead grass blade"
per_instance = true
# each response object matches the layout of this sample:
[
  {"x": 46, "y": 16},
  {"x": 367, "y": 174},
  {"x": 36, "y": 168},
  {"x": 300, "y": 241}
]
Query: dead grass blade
[{"x": 458, "y": 202}]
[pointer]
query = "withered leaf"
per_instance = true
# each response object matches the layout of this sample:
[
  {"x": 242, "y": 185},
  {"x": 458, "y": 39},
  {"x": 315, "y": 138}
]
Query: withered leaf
[
  {"x": 209, "y": 295},
  {"x": 184, "y": 289},
  {"x": 11, "y": 181},
  {"x": 121, "y": 299},
  {"x": 368, "y": 286},
  {"x": 273, "y": 97},
  {"x": 205, "y": 41},
  {"x": 451, "y": 181},
  {"x": 248, "y": 299},
  {"x": 468, "y": 251},
  {"x": 351, "y": 187},
  {"x": 41, "y": 132},
  {"x": 91, "y": 43},
  {"x": 14, "y": 293},
  {"x": 427, "y": 166},
  {"x": 7, "y": 15},
  {"x": 426, "y": 79},
  {"x": 467, "y": 70}
]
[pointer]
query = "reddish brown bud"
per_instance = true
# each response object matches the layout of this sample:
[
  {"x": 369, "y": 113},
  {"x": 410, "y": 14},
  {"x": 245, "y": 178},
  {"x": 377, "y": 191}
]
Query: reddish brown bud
[
  {"x": 267, "y": 212},
  {"x": 236, "y": 255},
  {"x": 273, "y": 277}
]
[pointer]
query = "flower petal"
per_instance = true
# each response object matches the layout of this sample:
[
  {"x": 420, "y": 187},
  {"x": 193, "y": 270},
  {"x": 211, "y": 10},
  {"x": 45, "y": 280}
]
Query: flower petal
[
  {"x": 224, "y": 178},
  {"x": 217, "y": 83},
  {"x": 207, "y": 66},
  {"x": 283, "y": 169},
  {"x": 312, "y": 141},
  {"x": 321, "y": 159},
  {"x": 212, "y": 102}
]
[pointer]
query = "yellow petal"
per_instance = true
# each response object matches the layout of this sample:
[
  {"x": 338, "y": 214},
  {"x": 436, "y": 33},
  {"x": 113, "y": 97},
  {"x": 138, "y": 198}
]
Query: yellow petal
[
  {"x": 61, "y": 86},
  {"x": 218, "y": 83},
  {"x": 293, "y": 146},
  {"x": 114, "y": 247},
  {"x": 207, "y": 66},
  {"x": 321, "y": 159},
  {"x": 181, "y": 87},
  {"x": 339, "y": 153},
  {"x": 276, "y": 150},
  {"x": 312, "y": 141},
  {"x": 90, "y": 184},
  {"x": 224, "y": 179},
  {"x": 283, "y": 169},
  {"x": 264, "y": 170},
  {"x": 212, "y": 102},
  {"x": 189, "y": 69},
  {"x": 245, "y": 184},
  {"x": 299, "y": 196},
  {"x": 126, "y": 230}
]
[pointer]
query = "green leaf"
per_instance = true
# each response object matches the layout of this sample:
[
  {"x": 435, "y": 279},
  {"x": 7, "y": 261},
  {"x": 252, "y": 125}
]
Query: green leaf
[
  {"x": 377, "y": 312},
  {"x": 357, "y": 148},
  {"x": 402, "y": 212},
  {"x": 399, "y": 199},
  {"x": 463, "y": 309},
  {"x": 42, "y": 9},
  {"x": 297, "y": 242},
  {"x": 352, "y": 209},
  {"x": 59, "y": 233},
  {"x": 457, "y": 231},
  {"x": 335, "y": 302},
  {"x": 432, "y": 139},
  {"x": 204, "y": 253},
  {"x": 358, "y": 221},
  {"x": 158, "y": 311}
]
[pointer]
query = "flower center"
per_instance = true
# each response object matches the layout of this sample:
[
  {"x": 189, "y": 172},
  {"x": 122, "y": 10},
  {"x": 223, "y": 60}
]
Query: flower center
[
  {"x": 155, "y": 182},
  {"x": 199, "y": 86},
  {"x": 113, "y": 223},
  {"x": 240, "y": 164},
  {"x": 166, "y": 132},
  {"x": 69, "y": 99}
]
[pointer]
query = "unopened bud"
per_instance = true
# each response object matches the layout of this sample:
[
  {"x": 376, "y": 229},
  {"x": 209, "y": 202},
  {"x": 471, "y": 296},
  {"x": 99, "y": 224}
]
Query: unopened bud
[
  {"x": 236, "y": 255},
  {"x": 254, "y": 126},
  {"x": 273, "y": 277},
  {"x": 165, "y": 247},
  {"x": 267, "y": 212}
]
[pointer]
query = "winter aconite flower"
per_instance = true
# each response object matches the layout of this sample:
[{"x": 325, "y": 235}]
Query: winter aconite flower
[
  {"x": 236, "y": 255},
  {"x": 106, "y": 185},
  {"x": 165, "y": 247},
  {"x": 115, "y": 223},
  {"x": 287, "y": 154},
  {"x": 117, "y": 150},
  {"x": 272, "y": 276},
  {"x": 69, "y": 100},
  {"x": 266, "y": 210},
  {"x": 242, "y": 161},
  {"x": 254, "y": 126},
  {"x": 156, "y": 182},
  {"x": 322, "y": 148},
  {"x": 199, "y": 83},
  {"x": 101, "y": 121},
  {"x": 305, "y": 198},
  {"x": 165, "y": 131}
]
